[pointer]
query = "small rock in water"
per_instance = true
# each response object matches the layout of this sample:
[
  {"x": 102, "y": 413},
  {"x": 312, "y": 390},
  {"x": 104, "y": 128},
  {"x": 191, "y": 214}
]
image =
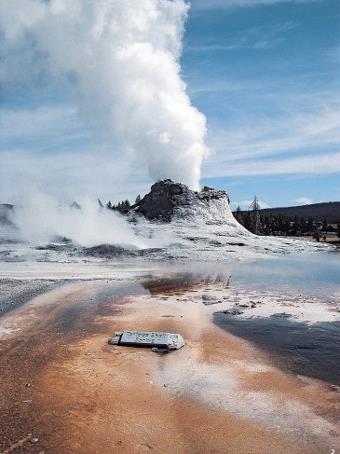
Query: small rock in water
[
  {"x": 282, "y": 315},
  {"x": 334, "y": 388},
  {"x": 210, "y": 303},
  {"x": 233, "y": 312},
  {"x": 210, "y": 300}
]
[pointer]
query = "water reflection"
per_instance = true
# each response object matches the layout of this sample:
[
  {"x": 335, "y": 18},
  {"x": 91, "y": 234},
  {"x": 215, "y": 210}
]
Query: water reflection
[{"x": 303, "y": 349}]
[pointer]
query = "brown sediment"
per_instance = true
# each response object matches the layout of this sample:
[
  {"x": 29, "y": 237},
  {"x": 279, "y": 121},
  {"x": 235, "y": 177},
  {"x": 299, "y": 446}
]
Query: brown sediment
[
  {"x": 47, "y": 328},
  {"x": 169, "y": 286},
  {"x": 62, "y": 382},
  {"x": 179, "y": 284}
]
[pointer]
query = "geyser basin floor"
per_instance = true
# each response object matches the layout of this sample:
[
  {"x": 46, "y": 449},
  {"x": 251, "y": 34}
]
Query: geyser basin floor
[{"x": 62, "y": 383}]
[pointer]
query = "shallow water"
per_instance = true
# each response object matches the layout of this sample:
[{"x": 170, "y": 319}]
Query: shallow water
[
  {"x": 298, "y": 347},
  {"x": 317, "y": 274},
  {"x": 302, "y": 349}
]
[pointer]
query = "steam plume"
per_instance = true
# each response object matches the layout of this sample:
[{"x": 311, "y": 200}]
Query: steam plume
[
  {"x": 42, "y": 219},
  {"x": 121, "y": 58}
]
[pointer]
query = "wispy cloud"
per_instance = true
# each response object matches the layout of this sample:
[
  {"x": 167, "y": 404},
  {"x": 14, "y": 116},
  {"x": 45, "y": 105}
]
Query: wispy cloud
[
  {"x": 303, "y": 139},
  {"x": 258, "y": 38},
  {"x": 299, "y": 141},
  {"x": 225, "y": 4},
  {"x": 57, "y": 123},
  {"x": 307, "y": 164},
  {"x": 306, "y": 135},
  {"x": 69, "y": 174},
  {"x": 258, "y": 44}
]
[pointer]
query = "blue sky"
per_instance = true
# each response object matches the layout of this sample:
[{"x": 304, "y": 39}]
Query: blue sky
[{"x": 264, "y": 72}]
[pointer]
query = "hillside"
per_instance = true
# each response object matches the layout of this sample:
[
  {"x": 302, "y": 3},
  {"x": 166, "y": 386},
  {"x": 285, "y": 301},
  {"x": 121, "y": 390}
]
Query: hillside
[{"x": 317, "y": 211}]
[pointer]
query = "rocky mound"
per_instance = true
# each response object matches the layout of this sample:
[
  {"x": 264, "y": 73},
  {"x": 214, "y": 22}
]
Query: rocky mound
[
  {"x": 167, "y": 199},
  {"x": 108, "y": 250}
]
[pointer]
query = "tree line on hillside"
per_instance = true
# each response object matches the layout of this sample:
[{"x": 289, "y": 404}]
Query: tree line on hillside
[
  {"x": 268, "y": 224},
  {"x": 122, "y": 206}
]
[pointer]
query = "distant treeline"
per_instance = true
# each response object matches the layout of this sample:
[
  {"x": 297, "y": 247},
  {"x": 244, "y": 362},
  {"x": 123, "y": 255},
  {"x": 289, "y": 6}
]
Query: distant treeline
[
  {"x": 317, "y": 211},
  {"x": 267, "y": 222},
  {"x": 123, "y": 206}
]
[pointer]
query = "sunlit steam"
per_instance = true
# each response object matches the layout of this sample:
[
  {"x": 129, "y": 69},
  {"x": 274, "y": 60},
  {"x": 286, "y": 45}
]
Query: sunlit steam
[
  {"x": 121, "y": 60},
  {"x": 41, "y": 219}
]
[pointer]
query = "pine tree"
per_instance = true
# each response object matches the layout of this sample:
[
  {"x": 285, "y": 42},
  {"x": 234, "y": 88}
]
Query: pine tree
[
  {"x": 247, "y": 221},
  {"x": 324, "y": 225},
  {"x": 138, "y": 199},
  {"x": 238, "y": 215},
  {"x": 255, "y": 216},
  {"x": 310, "y": 224}
]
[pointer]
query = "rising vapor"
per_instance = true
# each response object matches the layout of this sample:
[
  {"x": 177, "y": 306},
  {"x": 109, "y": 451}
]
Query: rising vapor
[
  {"x": 42, "y": 219},
  {"x": 121, "y": 59}
]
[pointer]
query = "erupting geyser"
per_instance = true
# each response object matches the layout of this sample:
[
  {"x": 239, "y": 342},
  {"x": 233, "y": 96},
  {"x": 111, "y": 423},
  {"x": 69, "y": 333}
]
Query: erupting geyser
[{"x": 121, "y": 61}]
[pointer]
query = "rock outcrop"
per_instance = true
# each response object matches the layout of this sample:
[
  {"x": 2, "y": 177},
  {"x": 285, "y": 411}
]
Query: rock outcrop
[{"x": 167, "y": 199}]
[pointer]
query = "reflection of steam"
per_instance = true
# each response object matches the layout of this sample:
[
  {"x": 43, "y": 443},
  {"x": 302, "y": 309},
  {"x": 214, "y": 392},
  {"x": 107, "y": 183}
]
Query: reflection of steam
[{"x": 121, "y": 59}]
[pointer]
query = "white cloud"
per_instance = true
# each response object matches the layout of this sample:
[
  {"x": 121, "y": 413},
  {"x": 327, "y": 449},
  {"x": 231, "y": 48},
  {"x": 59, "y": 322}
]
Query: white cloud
[
  {"x": 308, "y": 164},
  {"x": 304, "y": 137},
  {"x": 311, "y": 126},
  {"x": 56, "y": 122}
]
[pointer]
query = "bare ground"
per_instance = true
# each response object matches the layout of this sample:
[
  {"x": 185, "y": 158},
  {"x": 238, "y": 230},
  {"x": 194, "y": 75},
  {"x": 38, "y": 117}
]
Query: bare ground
[{"x": 65, "y": 388}]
